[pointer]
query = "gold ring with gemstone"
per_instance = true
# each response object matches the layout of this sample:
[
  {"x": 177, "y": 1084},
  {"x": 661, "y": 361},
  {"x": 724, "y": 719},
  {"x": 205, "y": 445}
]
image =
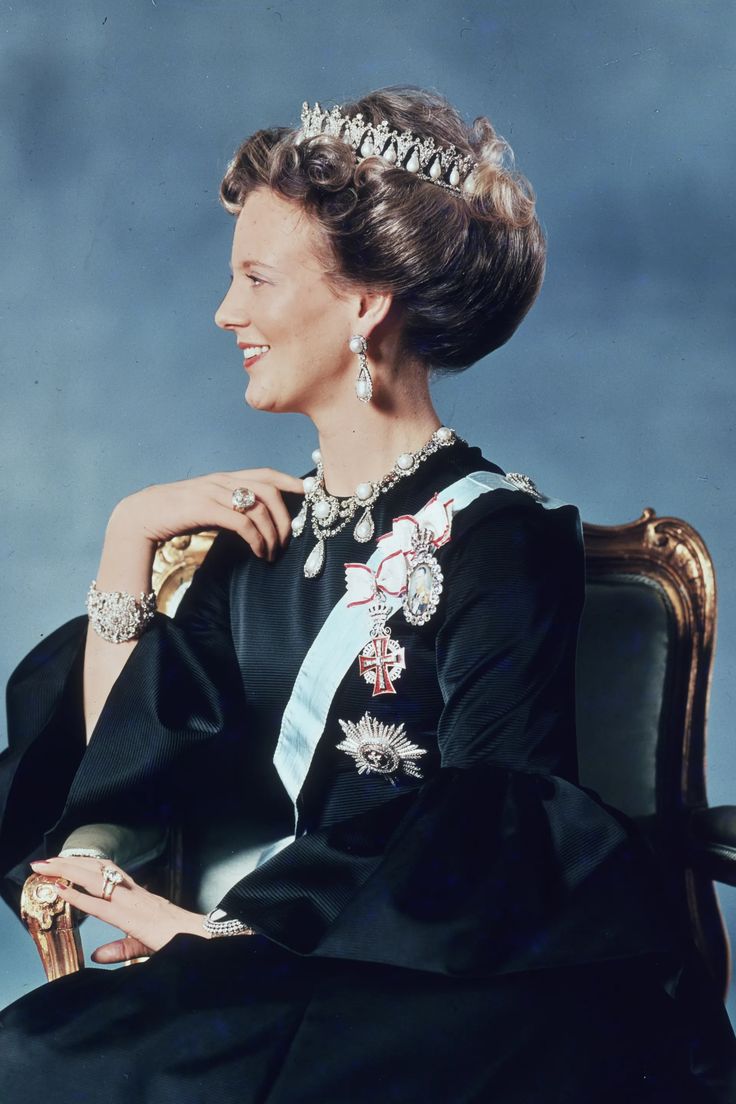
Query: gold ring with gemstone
[
  {"x": 110, "y": 878},
  {"x": 242, "y": 499}
]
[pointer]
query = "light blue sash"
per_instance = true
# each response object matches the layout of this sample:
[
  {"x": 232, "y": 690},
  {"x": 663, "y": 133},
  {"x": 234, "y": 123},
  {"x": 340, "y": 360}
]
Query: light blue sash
[{"x": 340, "y": 640}]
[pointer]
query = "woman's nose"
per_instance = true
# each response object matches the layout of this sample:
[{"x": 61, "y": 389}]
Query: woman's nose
[{"x": 228, "y": 314}]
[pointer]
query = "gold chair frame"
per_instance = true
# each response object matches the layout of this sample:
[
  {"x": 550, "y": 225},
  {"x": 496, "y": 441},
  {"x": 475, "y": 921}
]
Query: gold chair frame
[{"x": 672, "y": 554}]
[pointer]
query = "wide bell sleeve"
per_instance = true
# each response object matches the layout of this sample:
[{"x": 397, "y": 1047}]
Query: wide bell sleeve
[
  {"x": 46, "y": 742},
  {"x": 498, "y": 861},
  {"x": 179, "y": 689}
]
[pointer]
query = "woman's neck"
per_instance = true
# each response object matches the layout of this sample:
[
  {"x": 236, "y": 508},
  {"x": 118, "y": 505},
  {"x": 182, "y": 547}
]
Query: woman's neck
[{"x": 361, "y": 443}]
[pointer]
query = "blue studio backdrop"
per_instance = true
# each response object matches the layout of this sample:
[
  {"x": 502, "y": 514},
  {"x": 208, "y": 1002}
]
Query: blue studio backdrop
[{"x": 117, "y": 120}]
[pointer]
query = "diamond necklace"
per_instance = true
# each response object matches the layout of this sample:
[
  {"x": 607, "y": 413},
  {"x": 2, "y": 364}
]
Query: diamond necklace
[{"x": 329, "y": 515}]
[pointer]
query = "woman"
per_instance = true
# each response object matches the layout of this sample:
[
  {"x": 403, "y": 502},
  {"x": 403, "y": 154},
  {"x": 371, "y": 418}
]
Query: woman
[{"x": 368, "y": 690}]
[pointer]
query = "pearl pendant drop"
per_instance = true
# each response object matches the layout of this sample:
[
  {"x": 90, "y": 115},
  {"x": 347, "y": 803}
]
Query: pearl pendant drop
[
  {"x": 315, "y": 560},
  {"x": 363, "y": 389},
  {"x": 365, "y": 528}
]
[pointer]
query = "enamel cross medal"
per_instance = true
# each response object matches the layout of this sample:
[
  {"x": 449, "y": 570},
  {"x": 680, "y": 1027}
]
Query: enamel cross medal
[{"x": 382, "y": 658}]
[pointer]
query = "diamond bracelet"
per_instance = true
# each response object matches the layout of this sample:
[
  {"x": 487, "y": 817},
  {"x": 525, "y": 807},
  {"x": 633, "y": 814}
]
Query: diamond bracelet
[
  {"x": 224, "y": 927},
  {"x": 84, "y": 853},
  {"x": 117, "y": 616}
]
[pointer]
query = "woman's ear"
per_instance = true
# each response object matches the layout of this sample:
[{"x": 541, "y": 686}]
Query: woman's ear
[{"x": 373, "y": 307}]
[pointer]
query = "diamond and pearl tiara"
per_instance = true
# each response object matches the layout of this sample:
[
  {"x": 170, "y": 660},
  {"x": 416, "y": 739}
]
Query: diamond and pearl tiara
[{"x": 443, "y": 165}]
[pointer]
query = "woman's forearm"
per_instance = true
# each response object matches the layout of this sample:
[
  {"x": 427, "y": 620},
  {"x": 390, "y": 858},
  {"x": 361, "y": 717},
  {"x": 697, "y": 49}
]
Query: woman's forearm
[{"x": 125, "y": 564}]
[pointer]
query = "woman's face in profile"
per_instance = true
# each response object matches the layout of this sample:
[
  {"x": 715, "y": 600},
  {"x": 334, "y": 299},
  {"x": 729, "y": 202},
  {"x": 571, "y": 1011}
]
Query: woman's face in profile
[{"x": 292, "y": 328}]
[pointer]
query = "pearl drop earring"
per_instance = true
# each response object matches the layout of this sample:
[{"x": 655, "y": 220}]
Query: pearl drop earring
[{"x": 363, "y": 382}]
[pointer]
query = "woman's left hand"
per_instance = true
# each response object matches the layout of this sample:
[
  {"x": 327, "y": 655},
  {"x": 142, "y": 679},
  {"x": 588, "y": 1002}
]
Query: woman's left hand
[{"x": 150, "y": 920}]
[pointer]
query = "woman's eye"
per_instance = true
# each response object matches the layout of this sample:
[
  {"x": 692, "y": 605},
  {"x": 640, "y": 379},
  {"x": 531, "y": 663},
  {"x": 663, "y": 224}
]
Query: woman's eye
[{"x": 254, "y": 280}]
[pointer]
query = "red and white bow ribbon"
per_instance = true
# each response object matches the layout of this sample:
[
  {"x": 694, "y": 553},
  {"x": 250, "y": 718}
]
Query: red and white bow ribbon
[{"x": 390, "y": 576}]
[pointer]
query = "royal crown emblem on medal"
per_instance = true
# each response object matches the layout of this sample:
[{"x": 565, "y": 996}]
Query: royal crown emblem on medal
[{"x": 379, "y": 748}]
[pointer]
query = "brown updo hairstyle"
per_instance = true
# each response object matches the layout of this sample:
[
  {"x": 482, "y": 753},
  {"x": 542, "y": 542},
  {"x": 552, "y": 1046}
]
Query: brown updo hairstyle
[{"x": 463, "y": 269}]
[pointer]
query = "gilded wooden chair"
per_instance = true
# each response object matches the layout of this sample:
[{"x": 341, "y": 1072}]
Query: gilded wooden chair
[{"x": 643, "y": 674}]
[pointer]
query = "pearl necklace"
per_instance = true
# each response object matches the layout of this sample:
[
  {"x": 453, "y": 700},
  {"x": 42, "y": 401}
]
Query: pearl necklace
[{"x": 330, "y": 515}]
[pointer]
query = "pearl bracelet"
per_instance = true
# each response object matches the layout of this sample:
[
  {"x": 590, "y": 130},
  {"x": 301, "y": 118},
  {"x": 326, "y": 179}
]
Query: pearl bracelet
[
  {"x": 117, "y": 616},
  {"x": 224, "y": 927}
]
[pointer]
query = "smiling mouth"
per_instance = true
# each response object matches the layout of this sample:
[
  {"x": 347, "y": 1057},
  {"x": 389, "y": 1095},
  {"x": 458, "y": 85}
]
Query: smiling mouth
[{"x": 253, "y": 353}]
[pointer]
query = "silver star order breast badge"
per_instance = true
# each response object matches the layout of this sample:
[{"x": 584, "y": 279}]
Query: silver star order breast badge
[{"x": 379, "y": 748}]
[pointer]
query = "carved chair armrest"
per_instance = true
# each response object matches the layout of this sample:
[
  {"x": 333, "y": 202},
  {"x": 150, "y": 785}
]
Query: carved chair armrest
[
  {"x": 51, "y": 922},
  {"x": 711, "y": 838},
  {"x": 53, "y": 926}
]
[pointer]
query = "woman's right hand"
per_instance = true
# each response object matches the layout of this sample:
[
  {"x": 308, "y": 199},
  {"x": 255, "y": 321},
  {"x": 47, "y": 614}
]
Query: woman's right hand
[{"x": 165, "y": 510}]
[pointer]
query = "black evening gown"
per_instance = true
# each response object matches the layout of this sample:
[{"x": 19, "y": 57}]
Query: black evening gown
[{"x": 482, "y": 929}]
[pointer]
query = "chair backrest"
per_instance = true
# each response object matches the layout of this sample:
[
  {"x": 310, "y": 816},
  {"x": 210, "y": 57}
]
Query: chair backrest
[{"x": 643, "y": 675}]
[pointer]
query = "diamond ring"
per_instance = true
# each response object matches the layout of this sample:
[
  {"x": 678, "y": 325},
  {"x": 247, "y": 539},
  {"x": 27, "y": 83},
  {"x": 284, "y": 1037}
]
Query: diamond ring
[
  {"x": 110, "y": 878},
  {"x": 242, "y": 499}
]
